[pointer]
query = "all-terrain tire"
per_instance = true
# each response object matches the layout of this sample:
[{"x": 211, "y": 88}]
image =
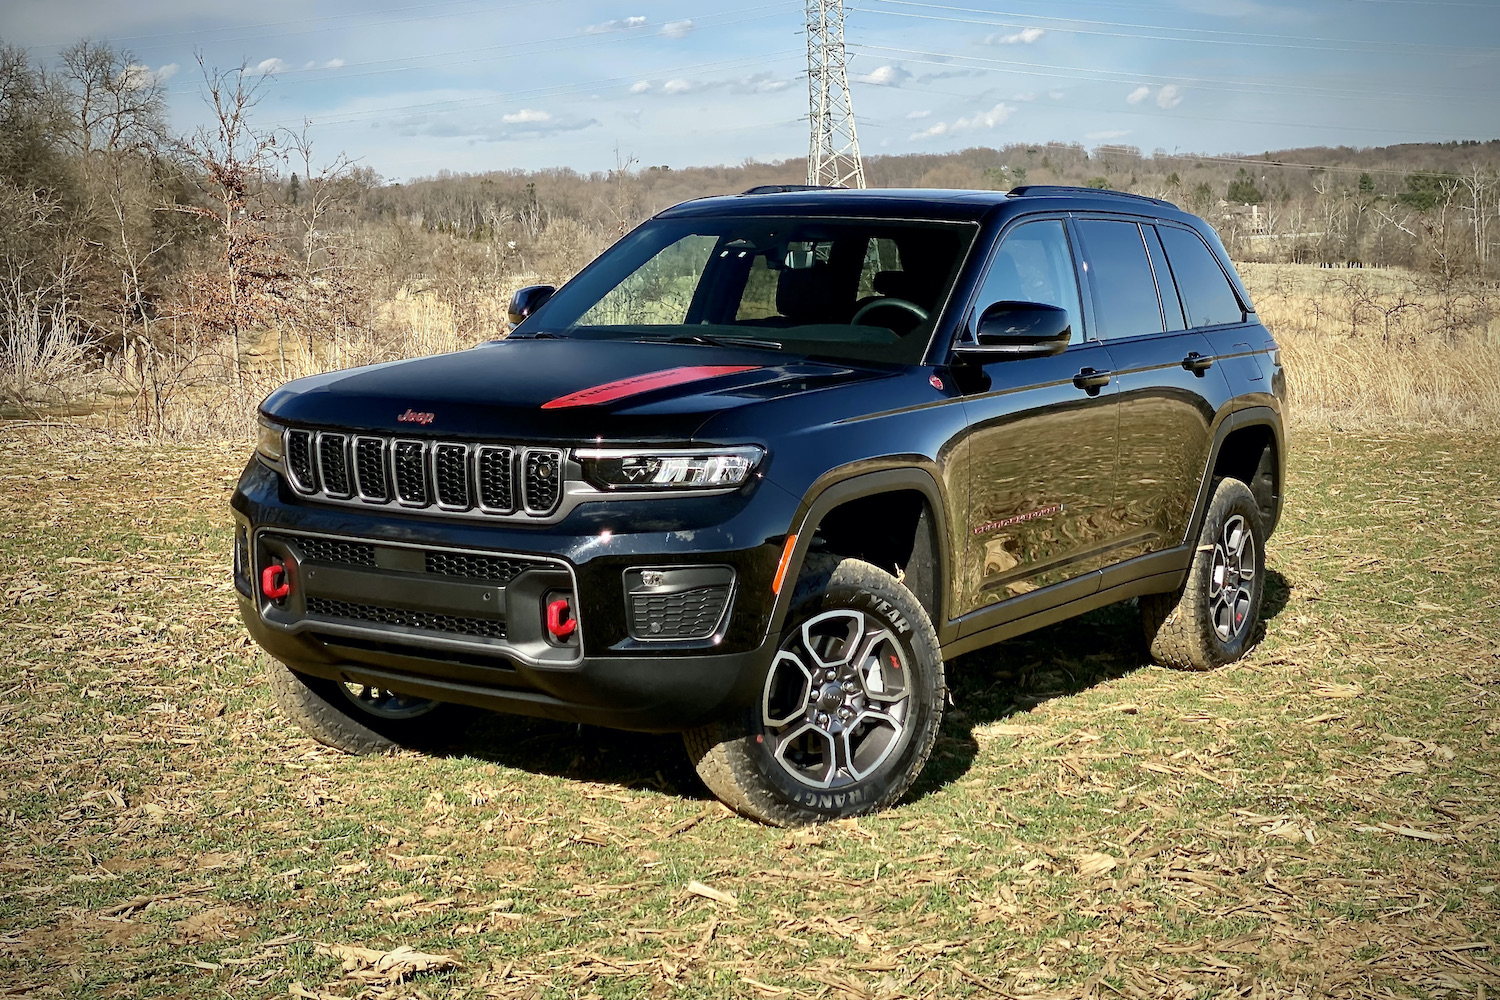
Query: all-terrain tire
[
  {"x": 1200, "y": 627},
  {"x": 323, "y": 710},
  {"x": 738, "y": 760}
]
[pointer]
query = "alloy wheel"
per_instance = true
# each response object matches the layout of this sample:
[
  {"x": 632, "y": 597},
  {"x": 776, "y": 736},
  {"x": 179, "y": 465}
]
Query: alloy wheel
[
  {"x": 837, "y": 699},
  {"x": 385, "y": 704},
  {"x": 1231, "y": 577}
]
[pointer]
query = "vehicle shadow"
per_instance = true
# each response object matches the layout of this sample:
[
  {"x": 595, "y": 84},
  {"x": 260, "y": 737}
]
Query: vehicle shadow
[
  {"x": 1011, "y": 678},
  {"x": 991, "y": 685}
]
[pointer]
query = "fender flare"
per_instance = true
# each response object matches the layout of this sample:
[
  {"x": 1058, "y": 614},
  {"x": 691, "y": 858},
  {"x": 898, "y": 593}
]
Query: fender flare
[
  {"x": 830, "y": 492},
  {"x": 1250, "y": 416}
]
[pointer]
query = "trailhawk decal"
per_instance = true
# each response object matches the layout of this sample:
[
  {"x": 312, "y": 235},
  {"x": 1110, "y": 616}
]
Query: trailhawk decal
[
  {"x": 637, "y": 384},
  {"x": 1007, "y": 522}
]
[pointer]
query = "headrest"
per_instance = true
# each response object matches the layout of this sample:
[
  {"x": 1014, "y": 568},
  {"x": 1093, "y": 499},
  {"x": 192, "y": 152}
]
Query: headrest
[{"x": 802, "y": 295}]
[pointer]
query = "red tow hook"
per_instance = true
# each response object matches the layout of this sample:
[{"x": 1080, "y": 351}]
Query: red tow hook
[
  {"x": 274, "y": 582},
  {"x": 555, "y": 623}
]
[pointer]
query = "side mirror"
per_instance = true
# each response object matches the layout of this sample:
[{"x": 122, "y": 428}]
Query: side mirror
[
  {"x": 1018, "y": 330},
  {"x": 527, "y": 301}
]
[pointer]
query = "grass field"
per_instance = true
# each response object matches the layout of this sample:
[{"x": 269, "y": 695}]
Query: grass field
[{"x": 1319, "y": 820}]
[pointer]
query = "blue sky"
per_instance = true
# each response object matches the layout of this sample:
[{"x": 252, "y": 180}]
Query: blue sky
[{"x": 411, "y": 87}]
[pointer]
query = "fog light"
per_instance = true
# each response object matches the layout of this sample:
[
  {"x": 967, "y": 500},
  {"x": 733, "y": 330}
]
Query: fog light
[{"x": 687, "y": 602}]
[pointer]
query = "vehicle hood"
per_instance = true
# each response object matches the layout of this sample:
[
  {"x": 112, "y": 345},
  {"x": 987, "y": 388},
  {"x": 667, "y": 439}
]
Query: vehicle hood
[{"x": 565, "y": 391}]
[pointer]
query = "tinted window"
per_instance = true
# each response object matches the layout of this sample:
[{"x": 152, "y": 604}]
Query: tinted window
[
  {"x": 1207, "y": 295},
  {"x": 794, "y": 283},
  {"x": 1125, "y": 302},
  {"x": 1034, "y": 265},
  {"x": 1171, "y": 306}
]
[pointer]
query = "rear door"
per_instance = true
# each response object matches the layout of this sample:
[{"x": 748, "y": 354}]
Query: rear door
[
  {"x": 1041, "y": 436},
  {"x": 1170, "y": 387}
]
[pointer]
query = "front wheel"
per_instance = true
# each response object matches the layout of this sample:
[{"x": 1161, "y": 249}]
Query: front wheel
[
  {"x": 355, "y": 718},
  {"x": 849, "y": 709},
  {"x": 1212, "y": 620}
]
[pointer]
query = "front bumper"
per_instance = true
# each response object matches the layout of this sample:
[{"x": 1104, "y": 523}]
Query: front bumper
[{"x": 446, "y": 643}]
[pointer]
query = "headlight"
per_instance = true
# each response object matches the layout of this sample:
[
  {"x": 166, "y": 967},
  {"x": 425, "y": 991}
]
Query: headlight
[
  {"x": 669, "y": 469},
  {"x": 268, "y": 440}
]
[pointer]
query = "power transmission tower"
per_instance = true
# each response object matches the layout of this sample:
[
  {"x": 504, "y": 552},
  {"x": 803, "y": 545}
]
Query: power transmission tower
[{"x": 833, "y": 152}]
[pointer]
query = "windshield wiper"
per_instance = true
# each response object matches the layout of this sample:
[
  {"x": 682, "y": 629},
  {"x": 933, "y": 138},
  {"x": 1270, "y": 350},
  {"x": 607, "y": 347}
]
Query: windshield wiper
[
  {"x": 717, "y": 340},
  {"x": 542, "y": 335}
]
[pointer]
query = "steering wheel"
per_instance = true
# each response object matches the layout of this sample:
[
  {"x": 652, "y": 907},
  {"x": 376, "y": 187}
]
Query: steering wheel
[{"x": 894, "y": 303}]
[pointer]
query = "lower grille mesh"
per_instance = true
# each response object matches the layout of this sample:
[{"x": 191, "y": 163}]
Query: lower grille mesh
[
  {"x": 328, "y": 550},
  {"x": 691, "y": 614},
  {"x": 487, "y": 628}
]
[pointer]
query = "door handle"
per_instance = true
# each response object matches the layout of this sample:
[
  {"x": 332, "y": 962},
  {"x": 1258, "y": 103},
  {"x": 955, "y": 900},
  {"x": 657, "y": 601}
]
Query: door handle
[
  {"x": 1092, "y": 380},
  {"x": 1197, "y": 363}
]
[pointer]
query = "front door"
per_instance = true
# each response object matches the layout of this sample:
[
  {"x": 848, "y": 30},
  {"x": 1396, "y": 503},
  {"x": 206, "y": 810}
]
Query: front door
[{"x": 1041, "y": 436}]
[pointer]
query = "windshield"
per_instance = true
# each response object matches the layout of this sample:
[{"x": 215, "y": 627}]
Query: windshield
[{"x": 849, "y": 289}]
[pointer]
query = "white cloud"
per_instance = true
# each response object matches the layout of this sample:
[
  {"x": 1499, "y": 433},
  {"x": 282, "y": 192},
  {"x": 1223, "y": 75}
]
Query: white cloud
[
  {"x": 998, "y": 115},
  {"x": 1169, "y": 96},
  {"x": 268, "y": 67},
  {"x": 333, "y": 64},
  {"x": 1057, "y": 95},
  {"x": 640, "y": 86},
  {"x": 1025, "y": 36},
  {"x": 885, "y": 76},
  {"x": 1025, "y": 98},
  {"x": 526, "y": 116},
  {"x": 677, "y": 87},
  {"x": 1138, "y": 95},
  {"x": 139, "y": 75},
  {"x": 760, "y": 83},
  {"x": 619, "y": 24},
  {"x": 1106, "y": 135},
  {"x": 917, "y": 115},
  {"x": 677, "y": 29},
  {"x": 527, "y": 123}
]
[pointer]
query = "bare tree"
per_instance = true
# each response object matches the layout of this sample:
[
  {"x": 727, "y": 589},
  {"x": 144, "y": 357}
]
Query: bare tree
[{"x": 233, "y": 156}]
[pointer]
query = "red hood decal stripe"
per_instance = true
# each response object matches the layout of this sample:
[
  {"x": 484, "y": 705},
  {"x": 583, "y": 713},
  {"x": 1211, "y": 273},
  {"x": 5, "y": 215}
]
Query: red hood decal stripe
[{"x": 608, "y": 392}]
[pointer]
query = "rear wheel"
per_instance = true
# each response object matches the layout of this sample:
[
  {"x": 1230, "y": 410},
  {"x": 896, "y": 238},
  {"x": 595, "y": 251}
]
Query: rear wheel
[
  {"x": 355, "y": 718},
  {"x": 849, "y": 709},
  {"x": 1212, "y": 620}
]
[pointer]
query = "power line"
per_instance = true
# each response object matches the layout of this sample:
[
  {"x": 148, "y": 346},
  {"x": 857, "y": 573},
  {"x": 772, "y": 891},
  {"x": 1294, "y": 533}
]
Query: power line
[
  {"x": 1055, "y": 71},
  {"x": 1236, "y": 37}
]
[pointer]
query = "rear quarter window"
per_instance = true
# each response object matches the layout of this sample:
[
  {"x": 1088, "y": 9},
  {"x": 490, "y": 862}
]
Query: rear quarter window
[{"x": 1207, "y": 296}]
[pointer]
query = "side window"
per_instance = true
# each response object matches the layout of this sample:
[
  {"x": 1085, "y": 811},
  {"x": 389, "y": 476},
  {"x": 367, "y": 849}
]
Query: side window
[
  {"x": 1171, "y": 306},
  {"x": 1034, "y": 264},
  {"x": 1125, "y": 302},
  {"x": 1207, "y": 296}
]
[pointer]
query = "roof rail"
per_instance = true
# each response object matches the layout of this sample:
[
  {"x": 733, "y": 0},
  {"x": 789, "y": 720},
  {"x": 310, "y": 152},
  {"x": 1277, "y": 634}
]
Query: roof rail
[
  {"x": 1043, "y": 190},
  {"x": 785, "y": 188}
]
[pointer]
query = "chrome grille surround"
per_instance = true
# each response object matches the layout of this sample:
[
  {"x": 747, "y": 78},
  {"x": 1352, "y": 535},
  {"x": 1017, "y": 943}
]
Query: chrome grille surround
[
  {"x": 501, "y": 482},
  {"x": 372, "y": 469}
]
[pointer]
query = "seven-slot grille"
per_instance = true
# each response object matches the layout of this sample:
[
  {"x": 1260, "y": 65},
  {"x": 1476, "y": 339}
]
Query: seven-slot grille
[{"x": 454, "y": 477}]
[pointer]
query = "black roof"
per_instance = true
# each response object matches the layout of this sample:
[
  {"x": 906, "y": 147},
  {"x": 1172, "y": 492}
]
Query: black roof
[{"x": 929, "y": 203}]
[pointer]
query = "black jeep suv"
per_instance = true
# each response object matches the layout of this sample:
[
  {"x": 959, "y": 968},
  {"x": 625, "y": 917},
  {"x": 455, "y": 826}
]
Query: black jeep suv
[{"x": 760, "y": 469}]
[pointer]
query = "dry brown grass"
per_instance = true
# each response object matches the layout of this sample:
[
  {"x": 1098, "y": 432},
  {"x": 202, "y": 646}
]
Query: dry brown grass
[
  {"x": 1382, "y": 349},
  {"x": 1317, "y": 821}
]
